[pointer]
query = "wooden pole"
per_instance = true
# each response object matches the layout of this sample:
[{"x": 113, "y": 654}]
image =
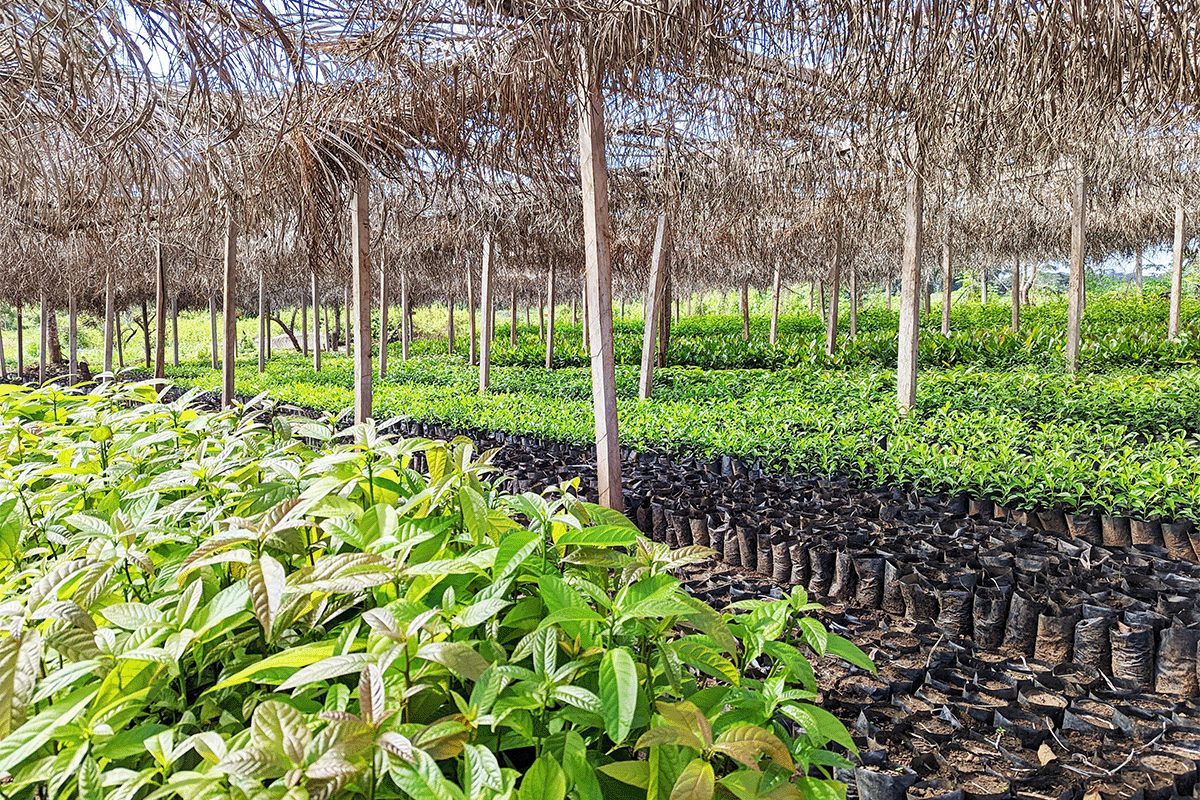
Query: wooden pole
[
  {"x": 175, "y": 330},
  {"x": 664, "y": 316},
  {"x": 110, "y": 313},
  {"x": 1176, "y": 275},
  {"x": 654, "y": 287},
  {"x": 597, "y": 232},
  {"x": 267, "y": 328},
  {"x": 262, "y": 321},
  {"x": 229, "y": 312},
  {"x": 316, "y": 307},
  {"x": 910, "y": 280},
  {"x": 120, "y": 342},
  {"x": 351, "y": 328},
  {"x": 304, "y": 323},
  {"x": 583, "y": 329},
  {"x": 1075, "y": 286},
  {"x": 146, "y": 332},
  {"x": 383, "y": 323},
  {"x": 20, "y": 343},
  {"x": 853, "y": 301},
  {"x": 1137, "y": 269},
  {"x": 45, "y": 333},
  {"x": 835, "y": 291},
  {"x": 745, "y": 306},
  {"x": 160, "y": 313},
  {"x": 947, "y": 285},
  {"x": 541, "y": 316},
  {"x": 212, "y": 325},
  {"x": 551, "y": 300},
  {"x": 512, "y": 325},
  {"x": 72, "y": 339},
  {"x": 3, "y": 362},
  {"x": 775, "y": 289},
  {"x": 360, "y": 242},
  {"x": 471, "y": 332},
  {"x": 450, "y": 325},
  {"x": 822, "y": 298},
  {"x": 487, "y": 302},
  {"x": 1016, "y": 294},
  {"x": 406, "y": 317}
]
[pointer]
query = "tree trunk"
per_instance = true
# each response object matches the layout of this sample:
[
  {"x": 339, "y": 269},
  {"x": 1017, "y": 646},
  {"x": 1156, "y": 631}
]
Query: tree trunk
[
  {"x": 487, "y": 307},
  {"x": 910, "y": 278},
  {"x": 654, "y": 287},
  {"x": 72, "y": 339},
  {"x": 745, "y": 308},
  {"x": 1075, "y": 288},
  {"x": 56, "y": 356},
  {"x": 664, "y": 318},
  {"x": 212, "y": 322},
  {"x": 262, "y": 322},
  {"x": 597, "y": 232},
  {"x": 774, "y": 307},
  {"x": 835, "y": 292},
  {"x": 821, "y": 286},
  {"x": 541, "y": 317},
  {"x": 1137, "y": 269},
  {"x": 812, "y": 297},
  {"x": 229, "y": 313},
  {"x": 109, "y": 317},
  {"x": 44, "y": 326},
  {"x": 1176, "y": 275},
  {"x": 383, "y": 323},
  {"x": 947, "y": 286},
  {"x": 471, "y": 332},
  {"x": 160, "y": 313},
  {"x": 316, "y": 309},
  {"x": 1016, "y": 294},
  {"x": 1033, "y": 270},
  {"x": 550, "y": 301},
  {"x": 360, "y": 267}
]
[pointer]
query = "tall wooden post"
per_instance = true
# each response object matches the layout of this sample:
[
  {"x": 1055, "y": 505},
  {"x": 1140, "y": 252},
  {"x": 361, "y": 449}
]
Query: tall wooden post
[
  {"x": 406, "y": 317},
  {"x": 45, "y": 341},
  {"x": 541, "y": 316},
  {"x": 229, "y": 346},
  {"x": 1176, "y": 275},
  {"x": 487, "y": 307},
  {"x": 471, "y": 332},
  {"x": 351, "y": 328},
  {"x": 262, "y": 321},
  {"x": 3, "y": 361},
  {"x": 745, "y": 307},
  {"x": 551, "y": 300},
  {"x": 583, "y": 329},
  {"x": 853, "y": 301},
  {"x": 1016, "y": 294},
  {"x": 947, "y": 285},
  {"x": 160, "y": 312},
  {"x": 146, "y": 333},
  {"x": 664, "y": 316},
  {"x": 360, "y": 241},
  {"x": 304, "y": 323},
  {"x": 1137, "y": 269},
  {"x": 175, "y": 330},
  {"x": 910, "y": 281},
  {"x": 120, "y": 342},
  {"x": 20, "y": 343},
  {"x": 835, "y": 291},
  {"x": 110, "y": 313},
  {"x": 654, "y": 287},
  {"x": 72, "y": 338},
  {"x": 450, "y": 324},
  {"x": 383, "y": 323},
  {"x": 316, "y": 307},
  {"x": 512, "y": 326},
  {"x": 267, "y": 326},
  {"x": 1075, "y": 286},
  {"x": 212, "y": 332},
  {"x": 775, "y": 286},
  {"x": 597, "y": 233}
]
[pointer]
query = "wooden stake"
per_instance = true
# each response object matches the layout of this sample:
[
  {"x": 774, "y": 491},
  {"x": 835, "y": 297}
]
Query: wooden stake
[
  {"x": 360, "y": 241},
  {"x": 654, "y": 287},
  {"x": 487, "y": 307},
  {"x": 229, "y": 312},
  {"x": 835, "y": 291},
  {"x": 550, "y": 318},
  {"x": 175, "y": 331},
  {"x": 745, "y": 306},
  {"x": 541, "y": 316},
  {"x": 450, "y": 325},
  {"x": 212, "y": 324},
  {"x": 1075, "y": 285},
  {"x": 775, "y": 285},
  {"x": 512, "y": 325},
  {"x": 45, "y": 332},
  {"x": 597, "y": 232},
  {"x": 1016, "y": 294},
  {"x": 664, "y": 316},
  {"x": 146, "y": 332},
  {"x": 304, "y": 323},
  {"x": 20, "y": 344},
  {"x": 471, "y": 332},
  {"x": 947, "y": 286},
  {"x": 406, "y": 317},
  {"x": 72, "y": 339},
  {"x": 262, "y": 321},
  {"x": 853, "y": 301},
  {"x": 1176, "y": 275},
  {"x": 583, "y": 329},
  {"x": 383, "y": 323},
  {"x": 910, "y": 280},
  {"x": 316, "y": 307},
  {"x": 160, "y": 313},
  {"x": 109, "y": 316},
  {"x": 1137, "y": 269}
]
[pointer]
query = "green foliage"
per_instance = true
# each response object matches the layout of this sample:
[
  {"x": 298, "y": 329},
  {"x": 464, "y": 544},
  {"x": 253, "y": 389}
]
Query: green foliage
[{"x": 238, "y": 605}]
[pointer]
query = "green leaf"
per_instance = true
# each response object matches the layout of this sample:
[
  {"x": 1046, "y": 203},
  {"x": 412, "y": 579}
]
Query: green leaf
[
  {"x": 513, "y": 550},
  {"x": 618, "y": 693},
  {"x": 326, "y": 668},
  {"x": 482, "y": 771},
  {"x": 695, "y": 782},
  {"x": 571, "y": 615},
  {"x": 603, "y": 515},
  {"x": 266, "y": 579},
  {"x": 543, "y": 781},
  {"x": 820, "y": 725},
  {"x": 635, "y": 773},
  {"x": 20, "y": 661},
  {"x": 697, "y": 654},
  {"x": 815, "y": 634},
  {"x": 89, "y": 785},
  {"x": 745, "y": 743},
  {"x": 845, "y": 649},
  {"x": 456, "y": 657},
  {"x": 280, "y": 666},
  {"x": 600, "y": 536}
]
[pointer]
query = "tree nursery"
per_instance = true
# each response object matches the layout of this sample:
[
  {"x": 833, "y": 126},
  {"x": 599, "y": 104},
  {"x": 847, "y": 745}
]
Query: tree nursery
[{"x": 599, "y": 399}]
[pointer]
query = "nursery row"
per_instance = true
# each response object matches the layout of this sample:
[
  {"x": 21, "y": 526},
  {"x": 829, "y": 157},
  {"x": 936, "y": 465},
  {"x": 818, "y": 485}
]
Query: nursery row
[
  {"x": 1020, "y": 462},
  {"x": 212, "y": 604}
]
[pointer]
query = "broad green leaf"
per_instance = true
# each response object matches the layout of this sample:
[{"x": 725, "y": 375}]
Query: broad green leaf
[
  {"x": 618, "y": 692},
  {"x": 695, "y": 783},
  {"x": 543, "y": 781},
  {"x": 815, "y": 634},
  {"x": 635, "y": 773},
  {"x": 88, "y": 783},
  {"x": 323, "y": 670},
  {"x": 745, "y": 743},
  {"x": 600, "y": 536},
  {"x": 704, "y": 658},
  {"x": 820, "y": 725},
  {"x": 20, "y": 661},
  {"x": 482, "y": 771},
  {"x": 30, "y": 737},
  {"x": 278, "y": 667},
  {"x": 266, "y": 578},
  {"x": 603, "y": 515},
  {"x": 845, "y": 649},
  {"x": 456, "y": 657}
]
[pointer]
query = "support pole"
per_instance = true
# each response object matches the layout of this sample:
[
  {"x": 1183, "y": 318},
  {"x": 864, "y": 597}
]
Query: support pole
[
  {"x": 654, "y": 287},
  {"x": 597, "y": 232},
  {"x": 262, "y": 321},
  {"x": 3, "y": 362},
  {"x": 471, "y": 332},
  {"x": 835, "y": 291},
  {"x": 72, "y": 339},
  {"x": 486, "y": 302},
  {"x": 20, "y": 343},
  {"x": 304, "y": 323},
  {"x": 775, "y": 285},
  {"x": 1016, "y": 294},
  {"x": 406, "y": 317},
  {"x": 160, "y": 313},
  {"x": 450, "y": 324},
  {"x": 910, "y": 280},
  {"x": 947, "y": 286},
  {"x": 1137, "y": 269},
  {"x": 360, "y": 218},
  {"x": 229, "y": 309},
  {"x": 512, "y": 326},
  {"x": 1075, "y": 286},
  {"x": 45, "y": 333},
  {"x": 745, "y": 306},
  {"x": 664, "y": 315},
  {"x": 110, "y": 314},
  {"x": 853, "y": 301},
  {"x": 1176, "y": 275},
  {"x": 175, "y": 330},
  {"x": 383, "y": 323},
  {"x": 550, "y": 318},
  {"x": 316, "y": 307},
  {"x": 212, "y": 331}
]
